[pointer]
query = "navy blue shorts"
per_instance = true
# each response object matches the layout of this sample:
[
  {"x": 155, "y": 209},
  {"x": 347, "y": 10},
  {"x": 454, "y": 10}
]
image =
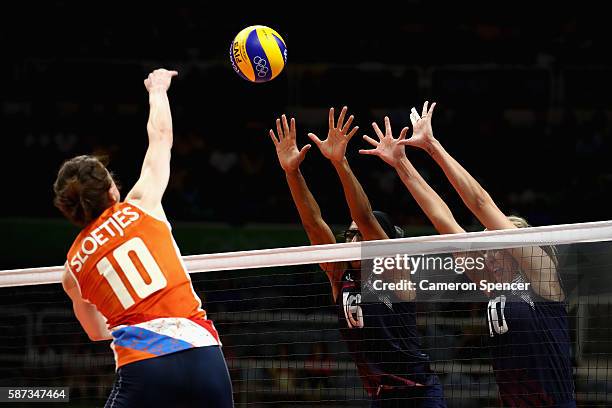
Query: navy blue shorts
[
  {"x": 191, "y": 378},
  {"x": 429, "y": 396}
]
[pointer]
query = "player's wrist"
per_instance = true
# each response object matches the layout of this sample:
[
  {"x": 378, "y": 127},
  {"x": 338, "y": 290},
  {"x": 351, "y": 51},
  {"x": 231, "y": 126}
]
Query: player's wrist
[
  {"x": 432, "y": 146},
  {"x": 405, "y": 170},
  {"x": 292, "y": 172},
  {"x": 159, "y": 89},
  {"x": 401, "y": 162},
  {"x": 340, "y": 163}
]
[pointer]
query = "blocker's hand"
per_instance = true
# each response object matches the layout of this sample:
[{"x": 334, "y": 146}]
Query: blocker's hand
[
  {"x": 388, "y": 148},
  {"x": 288, "y": 154},
  {"x": 422, "y": 132},
  {"x": 338, "y": 136}
]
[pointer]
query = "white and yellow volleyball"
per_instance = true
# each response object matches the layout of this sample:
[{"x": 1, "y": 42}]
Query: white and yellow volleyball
[{"x": 258, "y": 53}]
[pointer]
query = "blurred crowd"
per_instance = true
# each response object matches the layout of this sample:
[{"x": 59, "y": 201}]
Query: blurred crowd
[{"x": 523, "y": 105}]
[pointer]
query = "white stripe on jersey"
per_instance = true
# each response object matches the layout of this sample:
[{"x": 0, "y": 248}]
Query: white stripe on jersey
[{"x": 179, "y": 328}]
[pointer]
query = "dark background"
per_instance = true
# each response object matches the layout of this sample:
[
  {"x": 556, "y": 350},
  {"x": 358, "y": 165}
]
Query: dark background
[{"x": 523, "y": 104}]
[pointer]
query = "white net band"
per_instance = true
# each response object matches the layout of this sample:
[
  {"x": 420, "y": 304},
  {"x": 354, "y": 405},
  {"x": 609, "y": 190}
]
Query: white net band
[{"x": 316, "y": 254}]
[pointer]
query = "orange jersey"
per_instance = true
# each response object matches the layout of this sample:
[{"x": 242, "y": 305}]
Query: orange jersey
[{"x": 127, "y": 264}]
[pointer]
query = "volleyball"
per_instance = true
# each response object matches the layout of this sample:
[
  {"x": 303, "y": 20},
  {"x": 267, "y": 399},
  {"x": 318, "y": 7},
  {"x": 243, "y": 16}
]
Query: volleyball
[{"x": 258, "y": 53}]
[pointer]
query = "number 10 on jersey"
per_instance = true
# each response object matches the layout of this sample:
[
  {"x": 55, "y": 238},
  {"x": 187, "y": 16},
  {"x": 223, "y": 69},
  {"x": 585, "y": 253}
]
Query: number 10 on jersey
[{"x": 139, "y": 250}]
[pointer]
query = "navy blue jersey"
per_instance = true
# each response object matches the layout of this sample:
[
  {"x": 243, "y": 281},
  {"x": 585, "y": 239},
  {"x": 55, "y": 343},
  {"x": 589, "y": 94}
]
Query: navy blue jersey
[
  {"x": 530, "y": 350},
  {"x": 383, "y": 341}
]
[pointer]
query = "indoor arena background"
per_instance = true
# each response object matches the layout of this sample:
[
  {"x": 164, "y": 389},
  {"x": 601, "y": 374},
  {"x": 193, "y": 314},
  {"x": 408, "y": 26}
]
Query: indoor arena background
[{"x": 525, "y": 104}]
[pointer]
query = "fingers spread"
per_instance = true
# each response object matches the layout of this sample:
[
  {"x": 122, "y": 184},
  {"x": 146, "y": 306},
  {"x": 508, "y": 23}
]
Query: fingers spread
[
  {"x": 370, "y": 140},
  {"x": 331, "y": 118},
  {"x": 341, "y": 117},
  {"x": 377, "y": 130},
  {"x": 273, "y": 137},
  {"x": 304, "y": 150},
  {"x": 348, "y": 123},
  {"x": 352, "y": 132},
  {"x": 433, "y": 105},
  {"x": 279, "y": 131},
  {"x": 424, "y": 113},
  {"x": 372, "y": 152},
  {"x": 413, "y": 119},
  {"x": 292, "y": 132},
  {"x": 285, "y": 125},
  {"x": 315, "y": 139},
  {"x": 403, "y": 133},
  {"x": 388, "y": 132}
]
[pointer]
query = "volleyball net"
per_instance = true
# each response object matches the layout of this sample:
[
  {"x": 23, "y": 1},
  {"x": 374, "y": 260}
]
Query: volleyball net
[{"x": 285, "y": 338}]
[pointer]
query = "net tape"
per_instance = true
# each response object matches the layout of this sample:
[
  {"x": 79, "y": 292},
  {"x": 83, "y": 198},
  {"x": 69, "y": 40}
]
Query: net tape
[{"x": 314, "y": 254}]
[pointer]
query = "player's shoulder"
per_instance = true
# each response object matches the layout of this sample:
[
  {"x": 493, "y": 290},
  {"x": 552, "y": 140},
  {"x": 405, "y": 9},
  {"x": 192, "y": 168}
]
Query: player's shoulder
[{"x": 156, "y": 213}]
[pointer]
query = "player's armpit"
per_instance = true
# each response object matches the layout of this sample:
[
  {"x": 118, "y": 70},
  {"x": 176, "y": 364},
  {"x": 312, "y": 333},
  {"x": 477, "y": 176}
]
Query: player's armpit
[
  {"x": 68, "y": 282},
  {"x": 541, "y": 271},
  {"x": 92, "y": 321}
]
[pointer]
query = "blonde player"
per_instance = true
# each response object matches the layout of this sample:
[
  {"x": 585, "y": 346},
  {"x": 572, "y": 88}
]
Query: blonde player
[{"x": 128, "y": 284}]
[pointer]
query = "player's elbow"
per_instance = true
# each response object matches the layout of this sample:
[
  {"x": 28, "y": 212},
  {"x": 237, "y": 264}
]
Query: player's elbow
[
  {"x": 96, "y": 336},
  {"x": 99, "y": 335},
  {"x": 314, "y": 227}
]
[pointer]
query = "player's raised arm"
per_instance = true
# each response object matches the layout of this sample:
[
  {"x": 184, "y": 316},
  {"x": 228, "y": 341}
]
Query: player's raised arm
[
  {"x": 150, "y": 187},
  {"x": 290, "y": 158},
  {"x": 393, "y": 152},
  {"x": 539, "y": 266},
  {"x": 334, "y": 149},
  {"x": 473, "y": 195}
]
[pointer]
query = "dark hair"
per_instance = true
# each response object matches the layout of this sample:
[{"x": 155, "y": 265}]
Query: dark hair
[
  {"x": 81, "y": 189},
  {"x": 387, "y": 225}
]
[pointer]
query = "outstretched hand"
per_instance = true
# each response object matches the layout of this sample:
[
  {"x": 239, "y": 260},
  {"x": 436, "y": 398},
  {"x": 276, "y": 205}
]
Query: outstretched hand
[
  {"x": 159, "y": 79},
  {"x": 338, "y": 136},
  {"x": 288, "y": 154},
  {"x": 422, "y": 132},
  {"x": 388, "y": 148}
]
